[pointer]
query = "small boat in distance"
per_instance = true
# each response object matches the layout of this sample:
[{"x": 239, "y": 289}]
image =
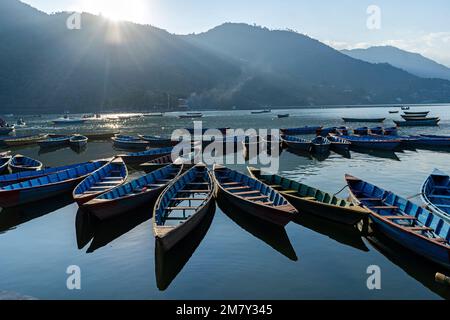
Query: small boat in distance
[
  {"x": 78, "y": 141},
  {"x": 182, "y": 206},
  {"x": 394, "y": 112},
  {"x": 159, "y": 142},
  {"x": 364, "y": 119},
  {"x": 413, "y": 227},
  {"x": 132, "y": 195},
  {"x": 436, "y": 194},
  {"x": 106, "y": 178},
  {"x": 129, "y": 143},
  {"x": 262, "y": 111},
  {"x": 153, "y": 115},
  {"x": 191, "y": 115},
  {"x": 311, "y": 200},
  {"x": 418, "y": 123},
  {"x": 6, "y": 130},
  {"x": 281, "y": 116},
  {"x": 372, "y": 142},
  {"x": 409, "y": 118},
  {"x": 406, "y": 108},
  {"x": 21, "y": 163},
  {"x": 253, "y": 196},
  {"x": 417, "y": 114}
]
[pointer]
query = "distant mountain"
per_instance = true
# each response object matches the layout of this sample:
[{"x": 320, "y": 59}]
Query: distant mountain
[
  {"x": 412, "y": 62},
  {"x": 44, "y": 67}
]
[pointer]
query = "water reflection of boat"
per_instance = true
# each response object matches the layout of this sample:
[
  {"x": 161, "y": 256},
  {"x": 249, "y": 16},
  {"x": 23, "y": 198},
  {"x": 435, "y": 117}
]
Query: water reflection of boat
[
  {"x": 346, "y": 235},
  {"x": 273, "y": 235},
  {"x": 419, "y": 269},
  {"x": 13, "y": 217},
  {"x": 168, "y": 264},
  {"x": 377, "y": 153}
]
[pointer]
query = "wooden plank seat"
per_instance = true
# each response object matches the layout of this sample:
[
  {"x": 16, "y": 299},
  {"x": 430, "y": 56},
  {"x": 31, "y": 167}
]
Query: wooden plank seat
[
  {"x": 232, "y": 184},
  {"x": 290, "y": 191},
  {"x": 247, "y": 192},
  {"x": 238, "y": 188},
  {"x": 189, "y": 199},
  {"x": 268, "y": 203},
  {"x": 107, "y": 183},
  {"x": 370, "y": 199},
  {"x": 177, "y": 218},
  {"x": 257, "y": 198},
  {"x": 384, "y": 207},
  {"x": 440, "y": 197},
  {"x": 198, "y": 184},
  {"x": 420, "y": 229},
  {"x": 399, "y": 218},
  {"x": 112, "y": 178},
  {"x": 181, "y": 208},
  {"x": 193, "y": 191}
]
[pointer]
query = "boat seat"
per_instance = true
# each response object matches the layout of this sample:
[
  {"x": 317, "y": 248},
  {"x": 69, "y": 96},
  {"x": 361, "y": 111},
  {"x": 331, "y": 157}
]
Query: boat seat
[
  {"x": 106, "y": 183},
  {"x": 384, "y": 207},
  {"x": 155, "y": 185},
  {"x": 98, "y": 188},
  {"x": 399, "y": 218},
  {"x": 370, "y": 199},
  {"x": 189, "y": 199},
  {"x": 290, "y": 191},
  {"x": 181, "y": 208},
  {"x": 440, "y": 196},
  {"x": 112, "y": 178},
  {"x": 269, "y": 203},
  {"x": 309, "y": 198},
  {"x": 238, "y": 188},
  {"x": 194, "y": 191},
  {"x": 198, "y": 184},
  {"x": 164, "y": 180},
  {"x": 420, "y": 229},
  {"x": 256, "y": 198},
  {"x": 90, "y": 192},
  {"x": 232, "y": 183},
  {"x": 246, "y": 192},
  {"x": 176, "y": 218},
  {"x": 276, "y": 186}
]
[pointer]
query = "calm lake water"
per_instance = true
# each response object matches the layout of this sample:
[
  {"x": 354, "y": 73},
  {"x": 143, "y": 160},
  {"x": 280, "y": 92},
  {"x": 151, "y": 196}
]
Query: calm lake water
[{"x": 230, "y": 256}]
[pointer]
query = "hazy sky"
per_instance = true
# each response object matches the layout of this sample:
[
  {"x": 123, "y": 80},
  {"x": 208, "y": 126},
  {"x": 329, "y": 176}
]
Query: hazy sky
[{"x": 415, "y": 25}]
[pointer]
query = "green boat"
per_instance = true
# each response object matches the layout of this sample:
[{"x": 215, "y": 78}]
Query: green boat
[{"x": 313, "y": 201}]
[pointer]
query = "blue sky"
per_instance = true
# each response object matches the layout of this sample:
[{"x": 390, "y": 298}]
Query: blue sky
[{"x": 419, "y": 26}]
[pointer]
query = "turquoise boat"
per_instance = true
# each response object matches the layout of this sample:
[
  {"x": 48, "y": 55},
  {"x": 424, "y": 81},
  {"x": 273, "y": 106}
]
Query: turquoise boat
[
  {"x": 21, "y": 163},
  {"x": 436, "y": 194},
  {"x": 412, "y": 226},
  {"x": 47, "y": 186}
]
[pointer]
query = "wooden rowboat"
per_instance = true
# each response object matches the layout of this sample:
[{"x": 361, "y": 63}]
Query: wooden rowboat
[
  {"x": 373, "y": 143},
  {"x": 253, "y": 196},
  {"x": 295, "y": 143},
  {"x": 417, "y": 114},
  {"x": 54, "y": 142},
  {"x": 129, "y": 143},
  {"x": 4, "y": 162},
  {"x": 23, "y": 141},
  {"x": 339, "y": 144},
  {"x": 158, "y": 142},
  {"x": 132, "y": 195},
  {"x": 411, "y": 226},
  {"x": 418, "y": 123},
  {"x": 282, "y": 116},
  {"x": 364, "y": 119},
  {"x": 145, "y": 156},
  {"x": 183, "y": 205},
  {"x": 436, "y": 194},
  {"x": 21, "y": 163},
  {"x": 78, "y": 141},
  {"x": 313, "y": 201},
  {"x": 321, "y": 145},
  {"x": 101, "y": 181},
  {"x": 46, "y": 187}
]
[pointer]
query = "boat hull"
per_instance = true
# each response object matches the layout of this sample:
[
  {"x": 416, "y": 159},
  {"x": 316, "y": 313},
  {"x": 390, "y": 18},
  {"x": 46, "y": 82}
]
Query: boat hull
[
  {"x": 374, "y": 120},
  {"x": 418, "y": 123}
]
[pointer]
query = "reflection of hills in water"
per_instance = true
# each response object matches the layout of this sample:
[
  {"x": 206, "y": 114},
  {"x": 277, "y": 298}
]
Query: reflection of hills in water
[
  {"x": 347, "y": 235},
  {"x": 168, "y": 264},
  {"x": 104, "y": 232},
  {"x": 13, "y": 217},
  {"x": 416, "y": 266},
  {"x": 273, "y": 235}
]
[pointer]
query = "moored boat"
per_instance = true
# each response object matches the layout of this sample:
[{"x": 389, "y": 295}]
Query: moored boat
[
  {"x": 321, "y": 145},
  {"x": 133, "y": 194},
  {"x": 435, "y": 136},
  {"x": 363, "y": 131},
  {"x": 417, "y": 114},
  {"x": 159, "y": 142},
  {"x": 253, "y": 196},
  {"x": 54, "y": 142},
  {"x": 21, "y": 163},
  {"x": 413, "y": 227},
  {"x": 418, "y": 123},
  {"x": 394, "y": 112},
  {"x": 78, "y": 141},
  {"x": 191, "y": 115},
  {"x": 324, "y": 132},
  {"x": 47, "y": 186},
  {"x": 129, "y": 143},
  {"x": 295, "y": 143},
  {"x": 183, "y": 205},
  {"x": 23, "y": 141},
  {"x": 364, "y": 119},
  {"x": 311, "y": 200},
  {"x": 4, "y": 163},
  {"x": 152, "y": 165},
  {"x": 418, "y": 118},
  {"x": 339, "y": 144},
  {"x": 106, "y": 178},
  {"x": 436, "y": 194},
  {"x": 300, "y": 131},
  {"x": 145, "y": 156},
  {"x": 376, "y": 143},
  {"x": 281, "y": 116}
]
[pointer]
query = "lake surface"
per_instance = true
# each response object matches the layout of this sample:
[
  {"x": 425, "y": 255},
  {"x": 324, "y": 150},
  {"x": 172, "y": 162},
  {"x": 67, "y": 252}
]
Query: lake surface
[{"x": 231, "y": 256}]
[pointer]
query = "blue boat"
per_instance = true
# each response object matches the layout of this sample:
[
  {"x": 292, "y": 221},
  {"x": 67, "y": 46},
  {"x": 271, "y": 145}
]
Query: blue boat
[
  {"x": 47, "y": 186},
  {"x": 300, "y": 131},
  {"x": 134, "y": 194},
  {"x": 295, "y": 143},
  {"x": 129, "y": 143},
  {"x": 438, "y": 142},
  {"x": 101, "y": 181},
  {"x": 4, "y": 162},
  {"x": 418, "y": 123},
  {"x": 436, "y": 194},
  {"x": 21, "y": 163},
  {"x": 321, "y": 145},
  {"x": 411, "y": 226},
  {"x": 54, "y": 142},
  {"x": 339, "y": 144},
  {"x": 434, "y": 136},
  {"x": 253, "y": 196},
  {"x": 364, "y": 131},
  {"x": 374, "y": 143},
  {"x": 326, "y": 131},
  {"x": 392, "y": 131},
  {"x": 78, "y": 141},
  {"x": 182, "y": 206},
  {"x": 145, "y": 156},
  {"x": 159, "y": 142},
  {"x": 377, "y": 130},
  {"x": 342, "y": 130}
]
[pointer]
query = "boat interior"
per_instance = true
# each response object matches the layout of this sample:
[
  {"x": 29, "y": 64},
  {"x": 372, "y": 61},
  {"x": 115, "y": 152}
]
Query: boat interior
[{"x": 103, "y": 179}]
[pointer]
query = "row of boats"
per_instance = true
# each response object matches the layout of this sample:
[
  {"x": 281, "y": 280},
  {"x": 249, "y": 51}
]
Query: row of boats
[
  {"x": 410, "y": 119},
  {"x": 184, "y": 193}
]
